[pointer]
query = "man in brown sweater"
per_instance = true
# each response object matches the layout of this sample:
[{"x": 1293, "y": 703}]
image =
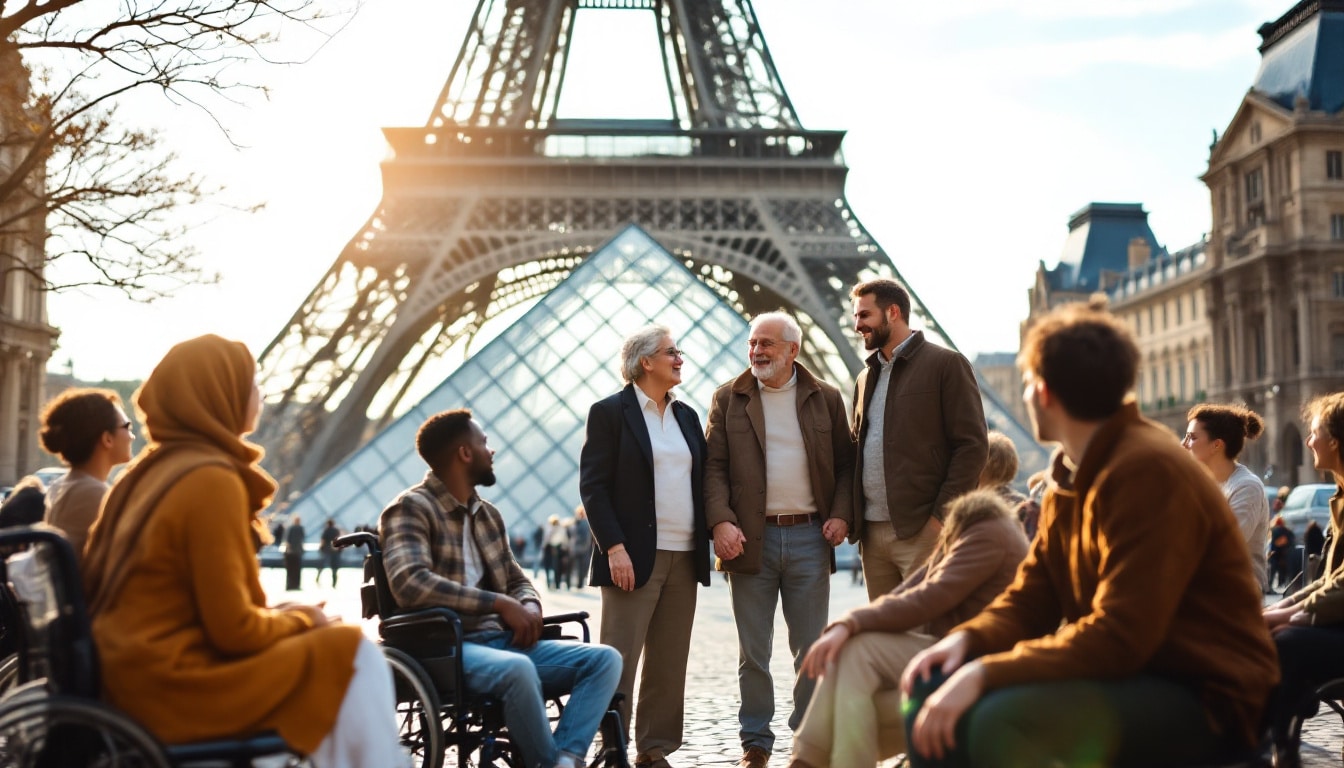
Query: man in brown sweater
[{"x": 1132, "y": 633}]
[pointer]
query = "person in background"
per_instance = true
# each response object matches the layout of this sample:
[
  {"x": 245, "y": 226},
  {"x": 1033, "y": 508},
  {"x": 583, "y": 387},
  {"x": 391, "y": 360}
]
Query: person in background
[
  {"x": 294, "y": 539},
  {"x": 1215, "y": 437},
  {"x": 1279, "y": 499},
  {"x": 642, "y": 482},
  {"x": 328, "y": 554},
  {"x": 1313, "y": 539},
  {"x": 1001, "y": 469},
  {"x": 1029, "y": 511},
  {"x": 557, "y": 553},
  {"x": 188, "y": 646},
  {"x": 581, "y": 547},
  {"x": 1282, "y": 540},
  {"x": 90, "y": 432}
]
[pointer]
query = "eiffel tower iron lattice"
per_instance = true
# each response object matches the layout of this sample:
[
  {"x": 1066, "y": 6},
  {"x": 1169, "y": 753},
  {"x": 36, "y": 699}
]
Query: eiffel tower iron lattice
[{"x": 496, "y": 199}]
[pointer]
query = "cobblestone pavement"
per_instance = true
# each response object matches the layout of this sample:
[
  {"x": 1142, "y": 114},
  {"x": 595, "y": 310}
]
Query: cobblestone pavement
[{"x": 711, "y": 737}]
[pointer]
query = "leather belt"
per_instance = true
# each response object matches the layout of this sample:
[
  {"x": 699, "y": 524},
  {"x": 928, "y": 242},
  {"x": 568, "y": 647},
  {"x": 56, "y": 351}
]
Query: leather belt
[{"x": 785, "y": 520}]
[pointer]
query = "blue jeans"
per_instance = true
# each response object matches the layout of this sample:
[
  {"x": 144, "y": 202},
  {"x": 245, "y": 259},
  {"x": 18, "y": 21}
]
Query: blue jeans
[
  {"x": 517, "y": 677},
  {"x": 795, "y": 567}
]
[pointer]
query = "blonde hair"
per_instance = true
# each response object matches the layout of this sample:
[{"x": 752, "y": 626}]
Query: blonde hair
[{"x": 1001, "y": 465}]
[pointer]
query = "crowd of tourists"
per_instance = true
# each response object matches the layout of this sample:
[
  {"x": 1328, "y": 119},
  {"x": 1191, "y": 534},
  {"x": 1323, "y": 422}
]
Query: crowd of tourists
[{"x": 1113, "y": 615}]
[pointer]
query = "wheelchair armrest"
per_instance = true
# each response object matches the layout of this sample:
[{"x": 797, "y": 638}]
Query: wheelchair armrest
[
  {"x": 357, "y": 539},
  {"x": 577, "y": 617},
  {"x": 424, "y": 617}
]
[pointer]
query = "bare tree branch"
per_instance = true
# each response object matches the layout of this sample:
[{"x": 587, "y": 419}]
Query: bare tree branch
[{"x": 108, "y": 198}]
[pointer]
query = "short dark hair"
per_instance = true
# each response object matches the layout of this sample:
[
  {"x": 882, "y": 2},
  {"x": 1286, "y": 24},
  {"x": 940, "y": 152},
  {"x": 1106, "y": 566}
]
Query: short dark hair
[
  {"x": 1232, "y": 424},
  {"x": 885, "y": 292},
  {"x": 74, "y": 421},
  {"x": 442, "y": 432},
  {"x": 1085, "y": 356}
]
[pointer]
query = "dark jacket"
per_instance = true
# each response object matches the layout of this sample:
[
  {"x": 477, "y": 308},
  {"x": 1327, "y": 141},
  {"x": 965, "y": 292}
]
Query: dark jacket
[
  {"x": 735, "y": 471},
  {"x": 616, "y": 485},
  {"x": 935, "y": 441}
]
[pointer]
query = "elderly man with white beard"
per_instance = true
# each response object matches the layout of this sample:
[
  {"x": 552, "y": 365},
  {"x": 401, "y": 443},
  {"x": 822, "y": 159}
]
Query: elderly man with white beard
[{"x": 778, "y": 489}]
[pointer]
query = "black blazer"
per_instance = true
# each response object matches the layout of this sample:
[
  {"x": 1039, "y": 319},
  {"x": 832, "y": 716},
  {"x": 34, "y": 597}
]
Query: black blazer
[{"x": 616, "y": 485}]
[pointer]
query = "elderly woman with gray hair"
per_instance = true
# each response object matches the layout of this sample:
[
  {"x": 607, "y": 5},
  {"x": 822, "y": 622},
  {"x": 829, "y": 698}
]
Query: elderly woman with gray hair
[{"x": 641, "y": 478}]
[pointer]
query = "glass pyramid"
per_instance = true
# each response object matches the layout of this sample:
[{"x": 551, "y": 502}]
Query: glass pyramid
[{"x": 531, "y": 387}]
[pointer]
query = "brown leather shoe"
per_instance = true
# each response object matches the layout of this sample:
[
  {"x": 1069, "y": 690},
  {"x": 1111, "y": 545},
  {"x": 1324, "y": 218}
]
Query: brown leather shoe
[{"x": 754, "y": 757}]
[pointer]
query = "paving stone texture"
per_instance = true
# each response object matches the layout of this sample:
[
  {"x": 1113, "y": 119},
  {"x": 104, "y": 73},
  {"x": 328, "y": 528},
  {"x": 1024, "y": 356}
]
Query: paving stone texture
[{"x": 711, "y": 731}]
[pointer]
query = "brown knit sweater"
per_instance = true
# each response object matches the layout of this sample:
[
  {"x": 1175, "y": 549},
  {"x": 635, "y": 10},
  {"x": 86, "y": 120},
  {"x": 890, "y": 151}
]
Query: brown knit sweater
[{"x": 1139, "y": 568}]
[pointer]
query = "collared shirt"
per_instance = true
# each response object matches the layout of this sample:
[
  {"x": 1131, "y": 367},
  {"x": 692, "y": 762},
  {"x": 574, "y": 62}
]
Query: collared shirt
[
  {"x": 874, "y": 468},
  {"x": 423, "y": 532},
  {"x": 672, "y": 503},
  {"x": 788, "y": 483}
]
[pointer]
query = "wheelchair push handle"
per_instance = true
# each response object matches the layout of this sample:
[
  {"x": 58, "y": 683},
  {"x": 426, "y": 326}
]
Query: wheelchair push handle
[{"x": 357, "y": 539}]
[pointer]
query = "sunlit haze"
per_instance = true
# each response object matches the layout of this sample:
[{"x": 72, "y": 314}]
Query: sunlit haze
[{"x": 975, "y": 129}]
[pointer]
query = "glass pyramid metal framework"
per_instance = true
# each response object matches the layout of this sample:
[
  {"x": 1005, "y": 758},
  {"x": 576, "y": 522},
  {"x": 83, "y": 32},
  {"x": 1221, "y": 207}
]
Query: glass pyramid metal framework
[{"x": 530, "y": 388}]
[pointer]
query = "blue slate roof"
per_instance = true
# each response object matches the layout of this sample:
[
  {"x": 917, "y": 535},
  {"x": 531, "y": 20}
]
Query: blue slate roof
[
  {"x": 1302, "y": 53},
  {"x": 1098, "y": 241}
]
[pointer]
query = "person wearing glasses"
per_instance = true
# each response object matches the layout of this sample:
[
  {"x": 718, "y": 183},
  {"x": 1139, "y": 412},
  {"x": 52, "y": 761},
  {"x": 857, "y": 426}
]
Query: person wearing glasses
[
  {"x": 89, "y": 431},
  {"x": 641, "y": 479}
]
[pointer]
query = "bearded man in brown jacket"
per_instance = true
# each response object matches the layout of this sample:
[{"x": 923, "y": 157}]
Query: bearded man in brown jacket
[{"x": 1132, "y": 635}]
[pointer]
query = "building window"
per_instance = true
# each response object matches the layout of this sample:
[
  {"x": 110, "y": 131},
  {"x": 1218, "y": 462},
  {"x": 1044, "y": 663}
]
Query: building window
[
  {"x": 1288, "y": 172},
  {"x": 1181, "y": 373},
  {"x": 1194, "y": 375},
  {"x": 1337, "y": 350},
  {"x": 1255, "y": 198},
  {"x": 1295, "y": 335},
  {"x": 1222, "y": 203},
  {"x": 1334, "y": 164},
  {"x": 1258, "y": 352},
  {"x": 1164, "y": 316},
  {"x": 1337, "y": 226},
  {"x": 1152, "y": 329},
  {"x": 1178, "y": 312},
  {"x": 1337, "y": 280},
  {"x": 1255, "y": 133}
]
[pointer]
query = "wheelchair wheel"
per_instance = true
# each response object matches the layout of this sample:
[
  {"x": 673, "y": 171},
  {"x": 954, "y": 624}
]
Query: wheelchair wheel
[
  {"x": 59, "y": 731},
  {"x": 9, "y": 674},
  {"x": 419, "y": 721}
]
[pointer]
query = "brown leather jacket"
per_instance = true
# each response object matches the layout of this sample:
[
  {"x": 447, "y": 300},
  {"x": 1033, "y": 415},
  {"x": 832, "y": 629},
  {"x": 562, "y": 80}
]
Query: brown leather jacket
[
  {"x": 735, "y": 467},
  {"x": 934, "y": 437}
]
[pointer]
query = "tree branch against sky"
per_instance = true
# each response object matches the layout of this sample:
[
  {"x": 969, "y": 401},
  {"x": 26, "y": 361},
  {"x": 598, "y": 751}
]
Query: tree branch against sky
[{"x": 117, "y": 205}]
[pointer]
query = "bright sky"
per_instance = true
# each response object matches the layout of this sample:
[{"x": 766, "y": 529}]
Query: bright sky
[{"x": 975, "y": 128}]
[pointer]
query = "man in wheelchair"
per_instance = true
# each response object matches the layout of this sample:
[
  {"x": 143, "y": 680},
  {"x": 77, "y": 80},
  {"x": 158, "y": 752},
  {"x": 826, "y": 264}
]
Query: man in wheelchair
[{"x": 443, "y": 545}]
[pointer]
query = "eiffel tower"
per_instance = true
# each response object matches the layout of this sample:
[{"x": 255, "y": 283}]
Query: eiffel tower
[{"x": 496, "y": 199}]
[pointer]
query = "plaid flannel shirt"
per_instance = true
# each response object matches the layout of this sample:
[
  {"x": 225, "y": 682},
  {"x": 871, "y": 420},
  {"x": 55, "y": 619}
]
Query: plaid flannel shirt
[{"x": 421, "y": 533}]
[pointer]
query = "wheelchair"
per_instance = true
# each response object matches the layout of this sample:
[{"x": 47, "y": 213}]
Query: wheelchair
[
  {"x": 435, "y": 712},
  {"x": 52, "y": 714}
]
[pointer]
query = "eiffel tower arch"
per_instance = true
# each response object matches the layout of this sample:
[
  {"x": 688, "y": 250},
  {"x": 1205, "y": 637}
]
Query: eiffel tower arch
[{"x": 496, "y": 199}]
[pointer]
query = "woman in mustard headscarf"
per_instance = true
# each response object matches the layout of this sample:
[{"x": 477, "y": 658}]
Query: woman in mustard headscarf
[{"x": 187, "y": 644}]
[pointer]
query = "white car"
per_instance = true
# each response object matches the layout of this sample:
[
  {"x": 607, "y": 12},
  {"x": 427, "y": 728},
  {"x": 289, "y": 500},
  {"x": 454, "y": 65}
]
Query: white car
[{"x": 1306, "y": 503}]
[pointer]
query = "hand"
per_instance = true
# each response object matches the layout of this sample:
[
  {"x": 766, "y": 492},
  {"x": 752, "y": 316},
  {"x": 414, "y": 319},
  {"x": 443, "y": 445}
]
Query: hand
[
  {"x": 314, "y": 613},
  {"x": 947, "y": 653},
  {"x": 825, "y": 651},
  {"x": 935, "y": 523},
  {"x": 835, "y": 530},
  {"x": 728, "y": 540},
  {"x": 1278, "y": 617},
  {"x": 935, "y": 731},
  {"x": 622, "y": 570},
  {"x": 524, "y": 622}
]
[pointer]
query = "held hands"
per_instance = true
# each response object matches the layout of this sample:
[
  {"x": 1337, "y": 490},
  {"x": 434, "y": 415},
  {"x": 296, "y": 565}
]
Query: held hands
[
  {"x": 622, "y": 570},
  {"x": 524, "y": 619},
  {"x": 835, "y": 530},
  {"x": 728, "y": 540},
  {"x": 825, "y": 651}
]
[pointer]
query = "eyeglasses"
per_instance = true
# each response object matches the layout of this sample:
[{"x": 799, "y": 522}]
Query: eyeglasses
[{"x": 674, "y": 353}]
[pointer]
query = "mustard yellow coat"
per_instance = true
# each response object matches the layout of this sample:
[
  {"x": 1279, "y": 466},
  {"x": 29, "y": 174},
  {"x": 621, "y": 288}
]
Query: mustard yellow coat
[{"x": 189, "y": 648}]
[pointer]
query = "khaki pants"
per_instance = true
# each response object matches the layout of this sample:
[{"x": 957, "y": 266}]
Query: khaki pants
[
  {"x": 887, "y": 560},
  {"x": 654, "y": 621},
  {"x": 855, "y": 716}
]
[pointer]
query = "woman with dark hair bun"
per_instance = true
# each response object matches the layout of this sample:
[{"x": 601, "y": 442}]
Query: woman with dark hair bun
[
  {"x": 1215, "y": 436},
  {"x": 90, "y": 432}
]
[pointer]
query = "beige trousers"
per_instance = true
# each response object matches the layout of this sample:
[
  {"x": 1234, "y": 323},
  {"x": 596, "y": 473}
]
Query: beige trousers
[
  {"x": 855, "y": 715},
  {"x": 887, "y": 560},
  {"x": 654, "y": 621}
]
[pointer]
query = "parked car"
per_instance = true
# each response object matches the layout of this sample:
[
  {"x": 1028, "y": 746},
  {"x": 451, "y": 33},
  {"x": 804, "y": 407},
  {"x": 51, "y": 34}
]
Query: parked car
[
  {"x": 48, "y": 474},
  {"x": 1306, "y": 503}
]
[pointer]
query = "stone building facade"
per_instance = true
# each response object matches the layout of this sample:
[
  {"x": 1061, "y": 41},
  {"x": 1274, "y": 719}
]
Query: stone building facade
[
  {"x": 1276, "y": 249},
  {"x": 26, "y": 339}
]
